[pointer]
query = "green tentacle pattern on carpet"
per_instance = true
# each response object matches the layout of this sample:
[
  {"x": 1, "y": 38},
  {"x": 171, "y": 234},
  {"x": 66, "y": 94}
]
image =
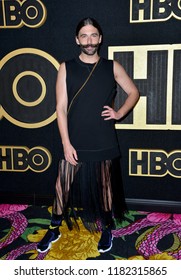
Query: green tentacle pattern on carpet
[{"x": 141, "y": 236}]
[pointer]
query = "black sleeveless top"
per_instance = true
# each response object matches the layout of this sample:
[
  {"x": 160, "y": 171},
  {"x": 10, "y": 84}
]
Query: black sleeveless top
[{"x": 92, "y": 137}]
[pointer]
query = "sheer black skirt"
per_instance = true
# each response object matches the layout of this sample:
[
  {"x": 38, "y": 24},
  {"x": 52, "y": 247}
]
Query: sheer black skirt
[{"x": 91, "y": 191}]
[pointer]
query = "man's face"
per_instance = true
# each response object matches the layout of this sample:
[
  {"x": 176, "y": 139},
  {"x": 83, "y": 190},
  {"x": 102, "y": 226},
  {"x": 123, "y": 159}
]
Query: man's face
[{"x": 89, "y": 39}]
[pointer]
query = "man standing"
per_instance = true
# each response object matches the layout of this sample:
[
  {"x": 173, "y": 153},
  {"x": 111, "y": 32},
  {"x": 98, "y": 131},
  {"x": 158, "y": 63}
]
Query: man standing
[{"x": 89, "y": 179}]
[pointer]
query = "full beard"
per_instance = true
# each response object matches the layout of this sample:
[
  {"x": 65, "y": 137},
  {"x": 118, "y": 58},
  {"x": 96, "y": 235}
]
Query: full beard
[{"x": 89, "y": 49}]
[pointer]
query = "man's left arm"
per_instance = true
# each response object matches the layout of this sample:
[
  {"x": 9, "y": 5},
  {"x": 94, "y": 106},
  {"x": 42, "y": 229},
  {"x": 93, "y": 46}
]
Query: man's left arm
[{"x": 125, "y": 82}]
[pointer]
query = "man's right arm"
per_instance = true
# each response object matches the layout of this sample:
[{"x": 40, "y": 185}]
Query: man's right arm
[{"x": 61, "y": 109}]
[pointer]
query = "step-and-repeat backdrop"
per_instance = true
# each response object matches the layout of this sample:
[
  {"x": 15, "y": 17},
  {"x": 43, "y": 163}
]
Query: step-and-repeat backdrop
[{"x": 144, "y": 36}]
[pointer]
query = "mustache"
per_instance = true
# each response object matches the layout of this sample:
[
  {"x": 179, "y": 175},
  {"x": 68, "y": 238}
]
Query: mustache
[{"x": 90, "y": 45}]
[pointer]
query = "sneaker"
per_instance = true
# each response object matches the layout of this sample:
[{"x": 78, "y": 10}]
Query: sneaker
[
  {"x": 105, "y": 243},
  {"x": 50, "y": 237}
]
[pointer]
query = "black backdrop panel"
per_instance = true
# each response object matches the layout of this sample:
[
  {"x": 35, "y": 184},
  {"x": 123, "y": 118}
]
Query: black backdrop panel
[{"x": 35, "y": 40}]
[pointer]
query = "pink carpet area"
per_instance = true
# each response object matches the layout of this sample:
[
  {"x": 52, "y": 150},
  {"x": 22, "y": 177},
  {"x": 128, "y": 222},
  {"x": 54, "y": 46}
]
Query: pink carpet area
[{"x": 141, "y": 235}]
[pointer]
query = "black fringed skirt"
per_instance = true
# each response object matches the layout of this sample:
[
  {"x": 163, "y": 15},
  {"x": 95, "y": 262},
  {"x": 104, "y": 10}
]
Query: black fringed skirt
[{"x": 91, "y": 191}]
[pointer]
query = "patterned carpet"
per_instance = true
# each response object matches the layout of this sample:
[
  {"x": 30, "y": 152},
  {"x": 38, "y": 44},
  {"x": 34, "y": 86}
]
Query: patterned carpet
[{"x": 141, "y": 235}]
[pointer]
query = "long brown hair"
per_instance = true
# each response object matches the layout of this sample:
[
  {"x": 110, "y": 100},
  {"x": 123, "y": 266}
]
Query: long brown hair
[{"x": 88, "y": 21}]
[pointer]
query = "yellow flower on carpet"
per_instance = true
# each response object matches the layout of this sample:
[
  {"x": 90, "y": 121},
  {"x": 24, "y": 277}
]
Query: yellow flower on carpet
[
  {"x": 73, "y": 245},
  {"x": 162, "y": 256},
  {"x": 137, "y": 257}
]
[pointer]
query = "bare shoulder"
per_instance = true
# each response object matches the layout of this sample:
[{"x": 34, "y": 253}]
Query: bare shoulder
[
  {"x": 62, "y": 67},
  {"x": 117, "y": 66},
  {"x": 118, "y": 69},
  {"x": 62, "y": 71}
]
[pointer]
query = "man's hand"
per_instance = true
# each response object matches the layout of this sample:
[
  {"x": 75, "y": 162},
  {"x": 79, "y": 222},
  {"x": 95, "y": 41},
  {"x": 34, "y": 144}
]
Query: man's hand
[
  {"x": 70, "y": 154},
  {"x": 108, "y": 113}
]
